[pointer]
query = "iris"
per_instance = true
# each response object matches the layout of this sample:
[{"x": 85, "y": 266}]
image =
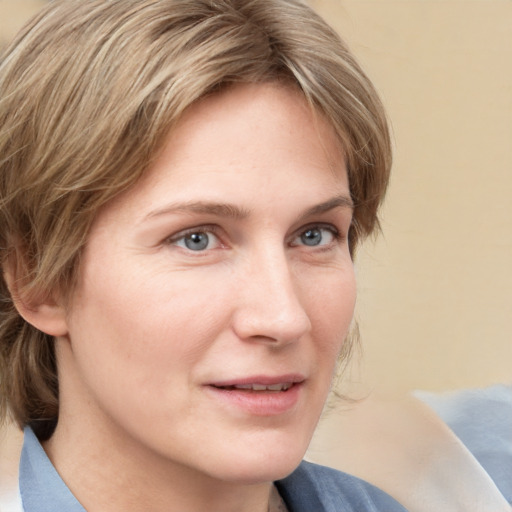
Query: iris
[
  {"x": 197, "y": 241},
  {"x": 311, "y": 237}
]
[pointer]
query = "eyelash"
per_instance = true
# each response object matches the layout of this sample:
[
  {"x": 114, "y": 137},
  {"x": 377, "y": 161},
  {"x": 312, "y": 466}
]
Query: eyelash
[
  {"x": 320, "y": 227},
  {"x": 214, "y": 229},
  {"x": 208, "y": 229}
]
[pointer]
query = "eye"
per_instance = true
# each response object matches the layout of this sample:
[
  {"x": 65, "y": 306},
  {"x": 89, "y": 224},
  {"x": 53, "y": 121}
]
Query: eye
[
  {"x": 315, "y": 236},
  {"x": 197, "y": 240}
]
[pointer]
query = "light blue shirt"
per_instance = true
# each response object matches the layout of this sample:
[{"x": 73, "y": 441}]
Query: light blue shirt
[
  {"x": 310, "y": 488},
  {"x": 41, "y": 487}
]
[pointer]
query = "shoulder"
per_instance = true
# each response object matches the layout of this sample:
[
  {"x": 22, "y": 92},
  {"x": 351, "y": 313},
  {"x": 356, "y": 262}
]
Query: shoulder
[
  {"x": 481, "y": 419},
  {"x": 485, "y": 407},
  {"x": 323, "y": 489}
]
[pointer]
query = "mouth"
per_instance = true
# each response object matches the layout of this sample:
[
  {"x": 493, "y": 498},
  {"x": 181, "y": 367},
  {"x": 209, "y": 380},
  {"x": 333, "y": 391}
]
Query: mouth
[{"x": 260, "y": 396}]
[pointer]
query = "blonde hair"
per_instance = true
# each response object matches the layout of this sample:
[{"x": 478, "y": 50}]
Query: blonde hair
[{"x": 89, "y": 90}]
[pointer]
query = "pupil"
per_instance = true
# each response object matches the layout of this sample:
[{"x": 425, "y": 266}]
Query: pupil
[
  {"x": 311, "y": 237},
  {"x": 196, "y": 241}
]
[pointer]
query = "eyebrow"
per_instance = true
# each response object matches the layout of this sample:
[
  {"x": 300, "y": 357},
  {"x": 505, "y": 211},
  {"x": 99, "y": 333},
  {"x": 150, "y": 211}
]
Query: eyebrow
[
  {"x": 237, "y": 213},
  {"x": 335, "y": 202},
  {"x": 205, "y": 207}
]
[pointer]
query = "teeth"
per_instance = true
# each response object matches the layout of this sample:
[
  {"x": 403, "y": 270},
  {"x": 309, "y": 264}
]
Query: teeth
[
  {"x": 261, "y": 387},
  {"x": 276, "y": 387}
]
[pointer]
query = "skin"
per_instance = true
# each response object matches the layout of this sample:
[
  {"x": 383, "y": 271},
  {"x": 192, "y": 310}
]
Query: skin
[{"x": 153, "y": 323}]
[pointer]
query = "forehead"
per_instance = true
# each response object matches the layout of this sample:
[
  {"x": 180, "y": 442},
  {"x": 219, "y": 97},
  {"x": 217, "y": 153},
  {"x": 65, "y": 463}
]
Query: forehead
[
  {"x": 251, "y": 135},
  {"x": 254, "y": 122}
]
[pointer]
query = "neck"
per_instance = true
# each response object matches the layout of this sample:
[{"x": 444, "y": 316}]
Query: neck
[{"x": 112, "y": 476}]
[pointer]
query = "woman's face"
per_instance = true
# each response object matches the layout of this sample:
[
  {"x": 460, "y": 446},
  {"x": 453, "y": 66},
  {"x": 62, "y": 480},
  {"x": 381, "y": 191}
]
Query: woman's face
[{"x": 216, "y": 294}]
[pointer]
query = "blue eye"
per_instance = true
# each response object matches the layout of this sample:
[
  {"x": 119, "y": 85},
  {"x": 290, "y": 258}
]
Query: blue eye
[
  {"x": 315, "y": 236},
  {"x": 197, "y": 241},
  {"x": 311, "y": 237}
]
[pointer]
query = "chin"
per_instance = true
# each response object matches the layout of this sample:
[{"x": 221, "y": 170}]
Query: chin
[
  {"x": 269, "y": 471},
  {"x": 266, "y": 463}
]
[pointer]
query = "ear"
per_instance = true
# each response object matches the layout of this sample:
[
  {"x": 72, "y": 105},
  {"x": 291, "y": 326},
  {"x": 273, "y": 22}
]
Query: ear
[{"x": 46, "y": 314}]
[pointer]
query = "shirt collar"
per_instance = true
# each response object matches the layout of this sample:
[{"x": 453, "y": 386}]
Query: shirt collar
[{"x": 41, "y": 487}]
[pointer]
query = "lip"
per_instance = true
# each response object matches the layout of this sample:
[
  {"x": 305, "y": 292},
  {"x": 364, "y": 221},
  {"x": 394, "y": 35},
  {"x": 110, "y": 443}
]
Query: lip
[{"x": 258, "y": 403}]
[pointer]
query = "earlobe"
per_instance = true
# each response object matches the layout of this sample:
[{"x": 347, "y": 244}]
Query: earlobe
[{"x": 47, "y": 315}]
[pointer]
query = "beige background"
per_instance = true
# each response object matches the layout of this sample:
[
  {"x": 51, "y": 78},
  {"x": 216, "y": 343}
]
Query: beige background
[
  {"x": 435, "y": 291},
  {"x": 435, "y": 303}
]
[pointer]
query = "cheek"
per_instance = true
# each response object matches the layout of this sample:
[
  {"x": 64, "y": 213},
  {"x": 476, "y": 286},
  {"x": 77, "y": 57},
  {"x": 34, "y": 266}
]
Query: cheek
[
  {"x": 131, "y": 356},
  {"x": 332, "y": 303},
  {"x": 154, "y": 322},
  {"x": 332, "y": 313}
]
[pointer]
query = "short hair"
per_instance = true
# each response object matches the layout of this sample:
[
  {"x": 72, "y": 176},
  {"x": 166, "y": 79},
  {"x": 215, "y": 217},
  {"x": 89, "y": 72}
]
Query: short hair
[{"x": 90, "y": 89}]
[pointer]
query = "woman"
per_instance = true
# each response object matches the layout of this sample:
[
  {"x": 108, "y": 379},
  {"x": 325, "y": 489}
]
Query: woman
[{"x": 183, "y": 187}]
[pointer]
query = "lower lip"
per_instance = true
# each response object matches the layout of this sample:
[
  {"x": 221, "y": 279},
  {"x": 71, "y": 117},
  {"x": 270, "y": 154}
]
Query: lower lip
[{"x": 259, "y": 403}]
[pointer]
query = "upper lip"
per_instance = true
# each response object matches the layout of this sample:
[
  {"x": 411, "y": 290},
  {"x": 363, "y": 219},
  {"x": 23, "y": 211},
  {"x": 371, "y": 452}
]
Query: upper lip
[{"x": 264, "y": 380}]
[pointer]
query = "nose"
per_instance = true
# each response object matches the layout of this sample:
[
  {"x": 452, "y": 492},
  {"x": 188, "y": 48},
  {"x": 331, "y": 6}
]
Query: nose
[{"x": 268, "y": 306}]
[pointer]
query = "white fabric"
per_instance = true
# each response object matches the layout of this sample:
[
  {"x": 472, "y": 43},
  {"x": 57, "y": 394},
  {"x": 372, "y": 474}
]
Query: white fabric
[
  {"x": 482, "y": 419},
  {"x": 405, "y": 449},
  {"x": 11, "y": 440}
]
